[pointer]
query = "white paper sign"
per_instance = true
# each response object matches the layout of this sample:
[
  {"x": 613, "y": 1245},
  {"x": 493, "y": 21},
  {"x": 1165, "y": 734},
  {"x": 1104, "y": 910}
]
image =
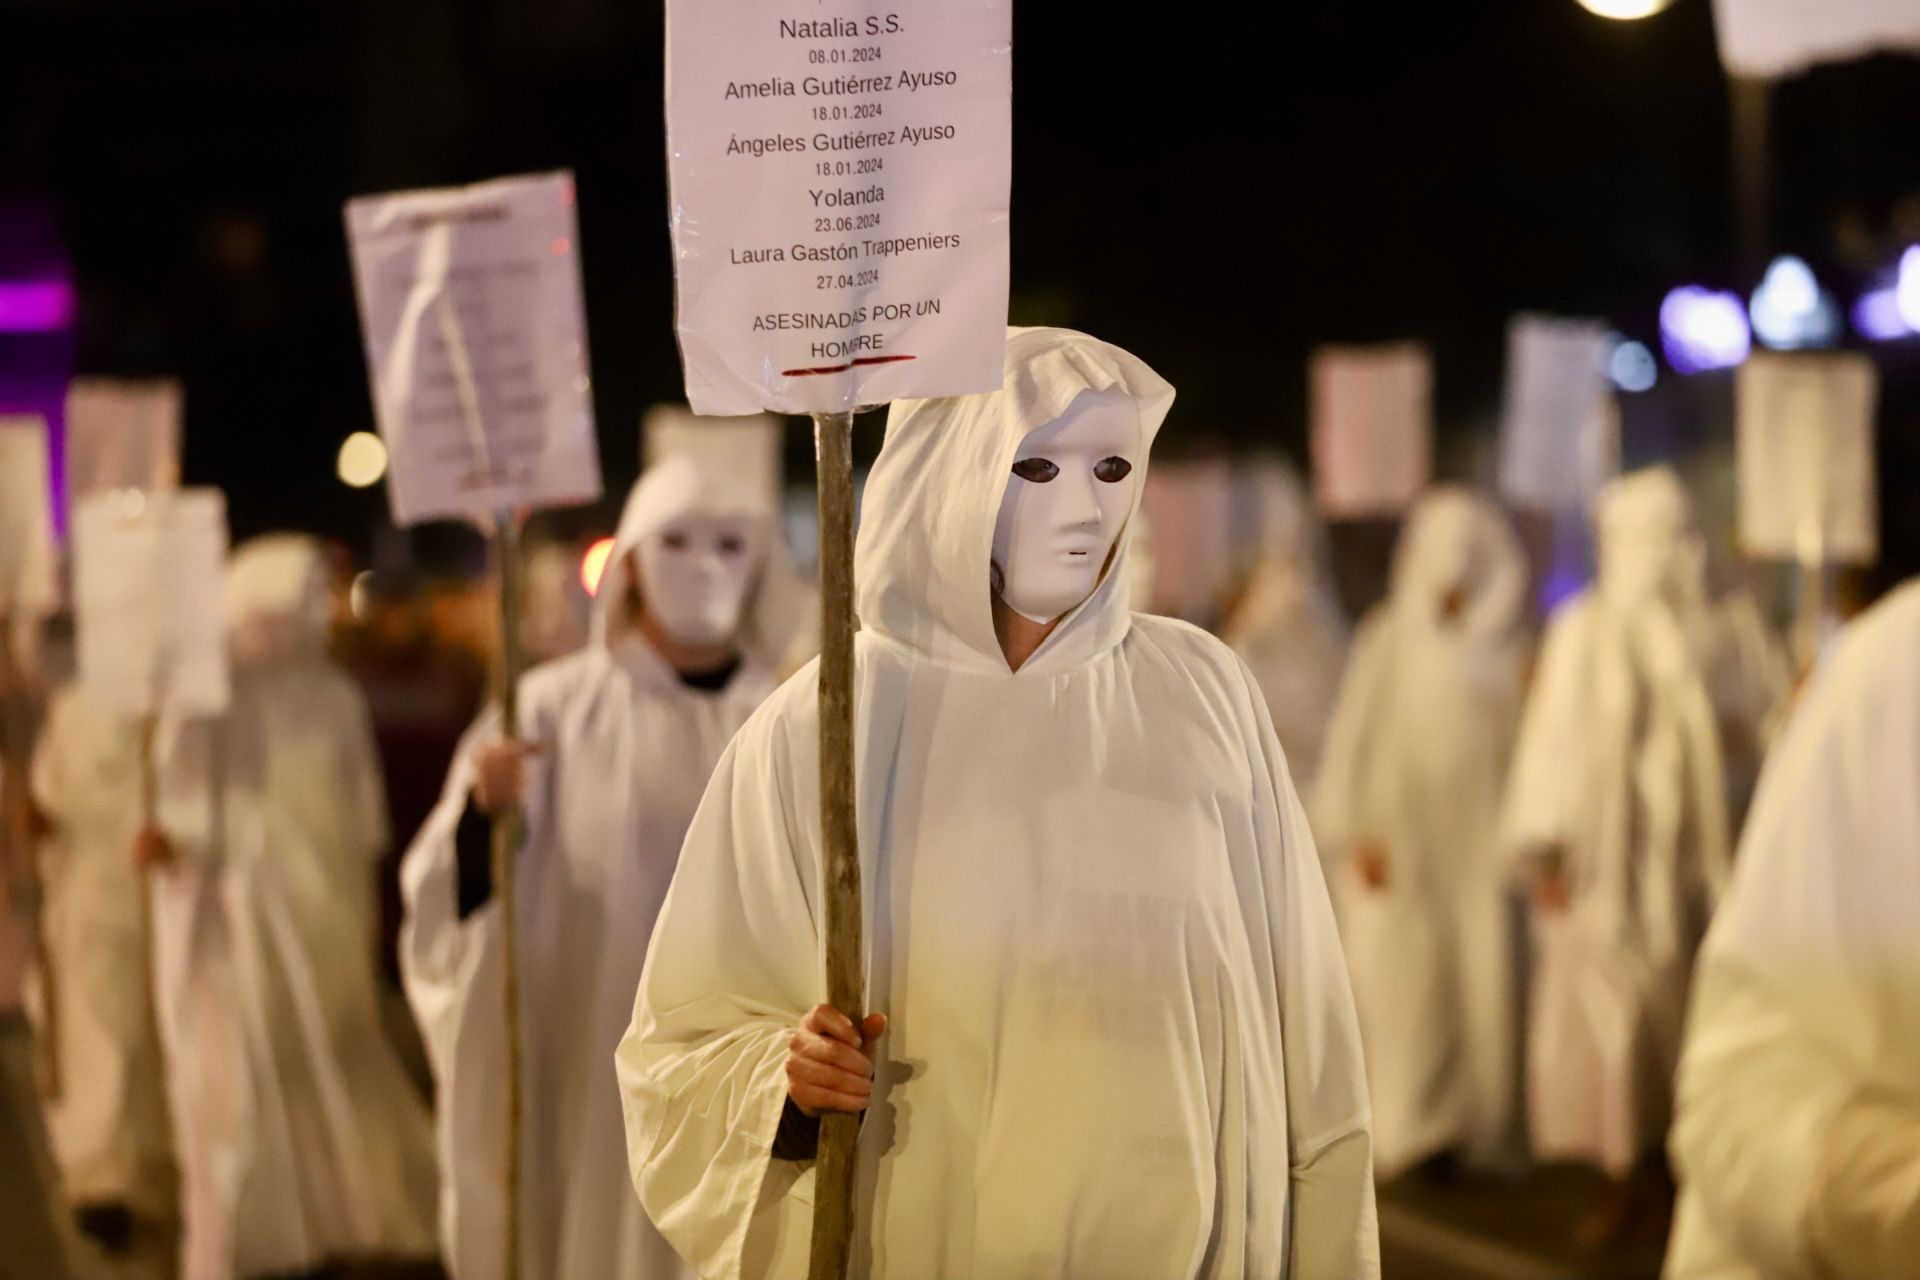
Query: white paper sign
[
  {"x": 840, "y": 176},
  {"x": 1190, "y": 508},
  {"x": 1805, "y": 446},
  {"x": 122, "y": 433},
  {"x": 29, "y": 583},
  {"x": 149, "y": 601},
  {"x": 1372, "y": 413},
  {"x": 1784, "y": 37},
  {"x": 476, "y": 346},
  {"x": 1560, "y": 426},
  {"x": 749, "y": 448}
]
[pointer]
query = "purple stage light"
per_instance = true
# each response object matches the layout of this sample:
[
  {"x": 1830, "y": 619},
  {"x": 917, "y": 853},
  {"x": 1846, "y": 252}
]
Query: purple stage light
[
  {"x": 1876, "y": 316},
  {"x": 35, "y": 306},
  {"x": 1701, "y": 329}
]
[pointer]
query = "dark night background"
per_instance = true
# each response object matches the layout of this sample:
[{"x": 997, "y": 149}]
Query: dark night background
[{"x": 1216, "y": 187}]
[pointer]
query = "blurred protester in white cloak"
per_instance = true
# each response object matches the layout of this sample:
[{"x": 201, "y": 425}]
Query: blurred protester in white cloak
[
  {"x": 1616, "y": 813},
  {"x": 300, "y": 1140},
  {"x": 1118, "y": 1038},
  {"x": 1408, "y": 809},
  {"x": 618, "y": 740},
  {"x": 1289, "y": 628},
  {"x": 31, "y": 1219},
  {"x": 1748, "y": 674},
  {"x": 1797, "y": 1137},
  {"x": 108, "y": 1122}
]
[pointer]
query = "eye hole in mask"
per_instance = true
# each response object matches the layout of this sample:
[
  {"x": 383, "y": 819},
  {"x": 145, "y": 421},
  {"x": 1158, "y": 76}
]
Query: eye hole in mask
[
  {"x": 1035, "y": 470},
  {"x": 1112, "y": 470}
]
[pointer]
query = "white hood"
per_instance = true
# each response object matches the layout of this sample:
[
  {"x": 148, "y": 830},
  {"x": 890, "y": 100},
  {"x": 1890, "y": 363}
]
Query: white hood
[
  {"x": 676, "y": 487},
  {"x": 1456, "y": 538},
  {"x": 926, "y": 534},
  {"x": 279, "y": 601}
]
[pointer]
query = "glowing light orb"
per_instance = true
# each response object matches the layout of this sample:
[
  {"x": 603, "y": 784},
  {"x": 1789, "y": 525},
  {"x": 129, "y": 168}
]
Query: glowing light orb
[
  {"x": 1703, "y": 330},
  {"x": 593, "y": 565},
  {"x": 362, "y": 461},
  {"x": 1624, "y": 10}
]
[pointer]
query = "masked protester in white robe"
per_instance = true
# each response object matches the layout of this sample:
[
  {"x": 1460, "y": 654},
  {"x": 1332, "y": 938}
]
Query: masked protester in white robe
[
  {"x": 108, "y": 1124},
  {"x": 1616, "y": 810},
  {"x": 1798, "y": 1130},
  {"x": 1408, "y": 808},
  {"x": 691, "y": 616},
  {"x": 1289, "y": 628},
  {"x": 1121, "y": 1042},
  {"x": 300, "y": 1138}
]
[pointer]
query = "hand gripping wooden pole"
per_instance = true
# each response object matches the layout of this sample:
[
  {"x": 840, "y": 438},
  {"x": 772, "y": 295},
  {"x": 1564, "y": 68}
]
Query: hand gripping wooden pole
[{"x": 840, "y": 847}]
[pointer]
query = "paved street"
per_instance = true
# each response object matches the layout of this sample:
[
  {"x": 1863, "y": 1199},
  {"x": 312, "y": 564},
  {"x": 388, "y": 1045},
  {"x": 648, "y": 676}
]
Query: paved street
[{"x": 1473, "y": 1228}]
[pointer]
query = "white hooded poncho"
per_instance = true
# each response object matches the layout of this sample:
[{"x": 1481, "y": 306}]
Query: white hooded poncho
[
  {"x": 1121, "y": 1042},
  {"x": 626, "y": 751},
  {"x": 1417, "y": 764},
  {"x": 1618, "y": 771},
  {"x": 300, "y": 1137},
  {"x": 108, "y": 1124},
  {"x": 1797, "y": 1138}
]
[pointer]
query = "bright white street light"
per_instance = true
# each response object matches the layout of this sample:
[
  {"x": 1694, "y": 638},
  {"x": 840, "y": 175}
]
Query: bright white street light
[
  {"x": 1624, "y": 10},
  {"x": 362, "y": 460}
]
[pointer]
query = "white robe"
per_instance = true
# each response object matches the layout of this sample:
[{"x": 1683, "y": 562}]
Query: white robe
[
  {"x": 108, "y": 1126},
  {"x": 1121, "y": 1042},
  {"x": 1617, "y": 768},
  {"x": 627, "y": 751},
  {"x": 1797, "y": 1138},
  {"x": 1416, "y": 764},
  {"x": 300, "y": 1137}
]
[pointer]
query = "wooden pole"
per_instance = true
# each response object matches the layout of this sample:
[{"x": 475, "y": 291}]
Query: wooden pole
[
  {"x": 508, "y": 824},
  {"x": 840, "y": 847},
  {"x": 508, "y": 827}
]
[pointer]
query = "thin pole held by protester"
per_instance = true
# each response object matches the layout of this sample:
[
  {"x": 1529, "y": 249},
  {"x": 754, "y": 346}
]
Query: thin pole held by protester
[
  {"x": 840, "y": 846},
  {"x": 507, "y": 824}
]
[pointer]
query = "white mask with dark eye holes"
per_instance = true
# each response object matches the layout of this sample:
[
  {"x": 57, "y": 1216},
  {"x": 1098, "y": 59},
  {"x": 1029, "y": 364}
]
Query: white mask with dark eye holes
[
  {"x": 695, "y": 572},
  {"x": 1071, "y": 490}
]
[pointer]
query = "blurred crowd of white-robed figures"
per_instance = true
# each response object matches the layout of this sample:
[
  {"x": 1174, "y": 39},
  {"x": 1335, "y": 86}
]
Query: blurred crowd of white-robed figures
[{"x": 1528, "y": 830}]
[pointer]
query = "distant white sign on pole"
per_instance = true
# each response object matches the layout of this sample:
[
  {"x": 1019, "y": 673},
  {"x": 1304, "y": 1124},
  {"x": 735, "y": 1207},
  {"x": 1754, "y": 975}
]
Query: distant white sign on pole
[
  {"x": 1560, "y": 425},
  {"x": 29, "y": 581},
  {"x": 840, "y": 181},
  {"x": 1785, "y": 37},
  {"x": 122, "y": 433},
  {"x": 1805, "y": 440},
  {"x": 149, "y": 599},
  {"x": 476, "y": 346},
  {"x": 748, "y": 447},
  {"x": 1372, "y": 416}
]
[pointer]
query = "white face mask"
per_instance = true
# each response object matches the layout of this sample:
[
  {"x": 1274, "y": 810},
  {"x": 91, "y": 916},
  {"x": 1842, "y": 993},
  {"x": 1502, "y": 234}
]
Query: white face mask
[
  {"x": 694, "y": 575},
  {"x": 1072, "y": 486}
]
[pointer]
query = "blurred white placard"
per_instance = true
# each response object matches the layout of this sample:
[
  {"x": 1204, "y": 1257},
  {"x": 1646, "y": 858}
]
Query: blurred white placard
[
  {"x": 476, "y": 346},
  {"x": 122, "y": 433},
  {"x": 1560, "y": 425},
  {"x": 148, "y": 583},
  {"x": 1372, "y": 415},
  {"x": 747, "y": 447},
  {"x": 840, "y": 179},
  {"x": 1784, "y": 37},
  {"x": 29, "y": 583},
  {"x": 1189, "y": 506},
  {"x": 1805, "y": 444}
]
